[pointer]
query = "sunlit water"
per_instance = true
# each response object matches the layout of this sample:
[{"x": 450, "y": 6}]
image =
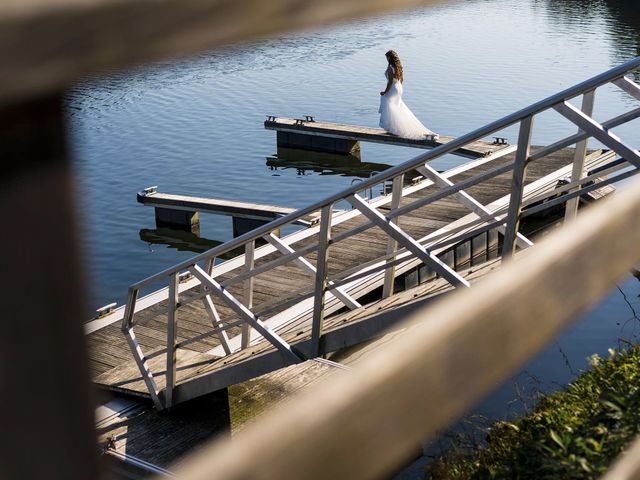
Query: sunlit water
[{"x": 195, "y": 126}]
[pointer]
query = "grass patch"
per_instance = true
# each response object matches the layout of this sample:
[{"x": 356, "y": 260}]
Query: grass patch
[{"x": 573, "y": 433}]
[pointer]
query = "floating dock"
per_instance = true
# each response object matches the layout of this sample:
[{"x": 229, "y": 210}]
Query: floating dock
[
  {"x": 182, "y": 211},
  {"x": 319, "y": 136}
]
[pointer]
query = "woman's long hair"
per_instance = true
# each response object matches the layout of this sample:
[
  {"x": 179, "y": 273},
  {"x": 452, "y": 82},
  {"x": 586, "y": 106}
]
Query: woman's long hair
[{"x": 394, "y": 60}]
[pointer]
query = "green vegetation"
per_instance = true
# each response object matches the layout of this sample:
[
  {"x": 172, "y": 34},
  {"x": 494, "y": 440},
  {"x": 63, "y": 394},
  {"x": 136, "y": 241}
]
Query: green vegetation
[{"x": 573, "y": 433}]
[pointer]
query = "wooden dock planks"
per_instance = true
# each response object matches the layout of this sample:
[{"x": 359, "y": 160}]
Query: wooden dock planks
[
  {"x": 291, "y": 133},
  {"x": 219, "y": 206},
  {"x": 108, "y": 350},
  {"x": 133, "y": 428}
]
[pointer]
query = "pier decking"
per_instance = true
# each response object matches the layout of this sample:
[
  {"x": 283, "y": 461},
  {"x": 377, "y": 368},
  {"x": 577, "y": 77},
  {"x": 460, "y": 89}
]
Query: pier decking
[
  {"x": 211, "y": 325},
  {"x": 181, "y": 211},
  {"x": 311, "y": 134},
  {"x": 207, "y": 361}
]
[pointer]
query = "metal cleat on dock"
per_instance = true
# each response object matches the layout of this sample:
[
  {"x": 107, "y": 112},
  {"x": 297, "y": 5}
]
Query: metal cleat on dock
[
  {"x": 309, "y": 118},
  {"x": 184, "y": 276},
  {"x": 271, "y": 118},
  {"x": 106, "y": 310},
  {"x": 149, "y": 190},
  {"x": 500, "y": 141}
]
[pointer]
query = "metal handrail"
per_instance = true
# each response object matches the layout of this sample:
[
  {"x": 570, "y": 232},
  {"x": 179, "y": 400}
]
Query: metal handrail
[
  {"x": 392, "y": 172},
  {"x": 403, "y": 251}
]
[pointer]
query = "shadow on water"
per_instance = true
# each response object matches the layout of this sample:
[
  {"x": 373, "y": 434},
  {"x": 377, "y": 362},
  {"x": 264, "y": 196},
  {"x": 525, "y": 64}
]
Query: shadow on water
[
  {"x": 323, "y": 163},
  {"x": 181, "y": 241}
]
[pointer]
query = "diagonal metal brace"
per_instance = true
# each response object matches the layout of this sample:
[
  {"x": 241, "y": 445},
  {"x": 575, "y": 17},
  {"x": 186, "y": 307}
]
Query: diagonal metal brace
[
  {"x": 407, "y": 241},
  {"x": 596, "y": 130},
  {"x": 216, "y": 322},
  {"x": 468, "y": 201},
  {"x": 629, "y": 86},
  {"x": 246, "y": 315},
  {"x": 143, "y": 367},
  {"x": 338, "y": 292}
]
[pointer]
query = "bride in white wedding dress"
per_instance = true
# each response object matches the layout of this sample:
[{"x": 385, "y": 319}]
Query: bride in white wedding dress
[{"x": 395, "y": 116}]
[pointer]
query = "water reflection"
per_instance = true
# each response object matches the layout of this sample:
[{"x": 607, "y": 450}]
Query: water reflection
[
  {"x": 304, "y": 161},
  {"x": 177, "y": 239},
  {"x": 620, "y": 20}
]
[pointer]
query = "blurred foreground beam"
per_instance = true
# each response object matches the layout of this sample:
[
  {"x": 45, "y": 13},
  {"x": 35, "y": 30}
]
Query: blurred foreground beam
[
  {"x": 46, "y": 413},
  {"x": 627, "y": 465},
  {"x": 46, "y": 45},
  {"x": 364, "y": 422}
]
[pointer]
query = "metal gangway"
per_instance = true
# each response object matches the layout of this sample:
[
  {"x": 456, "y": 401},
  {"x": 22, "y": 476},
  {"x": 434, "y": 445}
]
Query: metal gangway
[{"x": 333, "y": 286}]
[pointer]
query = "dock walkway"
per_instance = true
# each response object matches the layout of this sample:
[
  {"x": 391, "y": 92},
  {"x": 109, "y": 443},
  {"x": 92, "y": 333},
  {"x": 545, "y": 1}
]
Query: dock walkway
[
  {"x": 280, "y": 295},
  {"x": 208, "y": 325}
]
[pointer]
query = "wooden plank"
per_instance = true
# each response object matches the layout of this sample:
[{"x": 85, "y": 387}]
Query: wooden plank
[
  {"x": 218, "y": 206},
  {"x": 46, "y": 405},
  {"x": 135, "y": 429},
  {"x": 126, "y": 377},
  {"x": 627, "y": 465},
  {"x": 376, "y": 135},
  {"x": 63, "y": 41},
  {"x": 250, "y": 400}
]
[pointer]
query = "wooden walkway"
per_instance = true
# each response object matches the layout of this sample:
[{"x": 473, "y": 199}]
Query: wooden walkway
[
  {"x": 202, "y": 366},
  {"x": 309, "y": 134},
  {"x": 131, "y": 429}
]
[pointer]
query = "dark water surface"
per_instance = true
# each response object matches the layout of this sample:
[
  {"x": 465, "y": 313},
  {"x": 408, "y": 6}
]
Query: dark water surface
[{"x": 195, "y": 126}]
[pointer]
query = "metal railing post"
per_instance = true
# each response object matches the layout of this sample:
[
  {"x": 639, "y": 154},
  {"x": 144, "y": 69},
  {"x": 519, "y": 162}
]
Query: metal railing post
[
  {"x": 211, "y": 262},
  {"x": 249, "y": 250},
  {"x": 127, "y": 319},
  {"x": 517, "y": 187},
  {"x": 390, "y": 272},
  {"x": 321, "y": 279},
  {"x": 172, "y": 306},
  {"x": 571, "y": 209}
]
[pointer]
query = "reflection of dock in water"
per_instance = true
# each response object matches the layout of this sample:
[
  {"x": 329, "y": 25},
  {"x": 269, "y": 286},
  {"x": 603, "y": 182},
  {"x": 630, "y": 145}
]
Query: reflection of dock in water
[
  {"x": 324, "y": 163},
  {"x": 177, "y": 239}
]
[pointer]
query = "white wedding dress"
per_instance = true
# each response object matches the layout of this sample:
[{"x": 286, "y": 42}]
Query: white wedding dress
[{"x": 395, "y": 116}]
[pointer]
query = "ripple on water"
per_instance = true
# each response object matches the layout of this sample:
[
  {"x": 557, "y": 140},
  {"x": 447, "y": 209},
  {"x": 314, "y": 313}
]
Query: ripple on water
[{"x": 195, "y": 126}]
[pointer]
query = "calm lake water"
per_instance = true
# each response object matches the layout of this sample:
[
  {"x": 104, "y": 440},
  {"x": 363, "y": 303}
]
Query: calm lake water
[{"x": 195, "y": 126}]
